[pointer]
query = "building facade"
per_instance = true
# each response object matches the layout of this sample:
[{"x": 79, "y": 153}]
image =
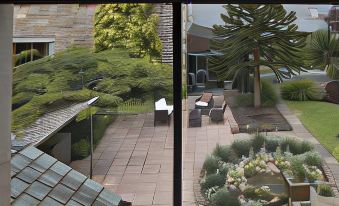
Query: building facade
[{"x": 49, "y": 28}]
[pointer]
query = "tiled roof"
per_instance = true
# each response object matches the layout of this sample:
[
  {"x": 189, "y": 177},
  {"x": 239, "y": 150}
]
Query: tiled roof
[
  {"x": 39, "y": 179},
  {"x": 48, "y": 124}
]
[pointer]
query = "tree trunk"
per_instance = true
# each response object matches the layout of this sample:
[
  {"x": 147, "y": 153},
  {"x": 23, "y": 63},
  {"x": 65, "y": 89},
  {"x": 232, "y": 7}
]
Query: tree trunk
[{"x": 257, "y": 87}]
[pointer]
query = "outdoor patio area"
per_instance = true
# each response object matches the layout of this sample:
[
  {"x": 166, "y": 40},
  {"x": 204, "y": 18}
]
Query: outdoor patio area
[{"x": 135, "y": 160}]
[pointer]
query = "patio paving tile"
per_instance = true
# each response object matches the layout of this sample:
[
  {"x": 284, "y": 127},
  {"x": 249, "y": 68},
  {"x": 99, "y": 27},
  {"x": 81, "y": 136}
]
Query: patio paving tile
[{"x": 135, "y": 160}]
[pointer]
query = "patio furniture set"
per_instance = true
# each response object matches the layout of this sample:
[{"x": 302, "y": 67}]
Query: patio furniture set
[{"x": 207, "y": 104}]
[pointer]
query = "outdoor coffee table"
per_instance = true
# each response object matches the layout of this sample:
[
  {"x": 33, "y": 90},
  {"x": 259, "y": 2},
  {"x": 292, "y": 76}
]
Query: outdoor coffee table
[{"x": 195, "y": 118}]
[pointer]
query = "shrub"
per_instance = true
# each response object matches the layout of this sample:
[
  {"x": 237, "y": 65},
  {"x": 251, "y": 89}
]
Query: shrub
[
  {"x": 211, "y": 164},
  {"x": 306, "y": 146},
  {"x": 313, "y": 159},
  {"x": 258, "y": 193},
  {"x": 325, "y": 190},
  {"x": 272, "y": 143},
  {"x": 258, "y": 141},
  {"x": 80, "y": 149},
  {"x": 223, "y": 170},
  {"x": 212, "y": 181},
  {"x": 244, "y": 100},
  {"x": 224, "y": 198},
  {"x": 300, "y": 90},
  {"x": 296, "y": 146},
  {"x": 297, "y": 166},
  {"x": 225, "y": 153},
  {"x": 241, "y": 147},
  {"x": 269, "y": 95}
]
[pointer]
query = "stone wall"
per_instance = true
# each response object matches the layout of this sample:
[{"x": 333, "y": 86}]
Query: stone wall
[
  {"x": 165, "y": 28},
  {"x": 73, "y": 24},
  {"x": 68, "y": 23}
]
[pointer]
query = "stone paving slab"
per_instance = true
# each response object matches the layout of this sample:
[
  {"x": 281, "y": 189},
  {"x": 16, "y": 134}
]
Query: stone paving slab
[
  {"x": 198, "y": 142},
  {"x": 135, "y": 160}
]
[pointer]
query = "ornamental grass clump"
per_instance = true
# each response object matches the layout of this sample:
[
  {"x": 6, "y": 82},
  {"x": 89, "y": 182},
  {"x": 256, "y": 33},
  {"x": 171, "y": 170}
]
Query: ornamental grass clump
[
  {"x": 225, "y": 153},
  {"x": 300, "y": 90},
  {"x": 213, "y": 180},
  {"x": 224, "y": 198},
  {"x": 241, "y": 147},
  {"x": 325, "y": 190},
  {"x": 211, "y": 164}
]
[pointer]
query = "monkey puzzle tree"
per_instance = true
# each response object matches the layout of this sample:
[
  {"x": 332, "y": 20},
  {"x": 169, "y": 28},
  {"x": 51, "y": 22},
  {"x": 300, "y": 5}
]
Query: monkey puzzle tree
[{"x": 257, "y": 35}]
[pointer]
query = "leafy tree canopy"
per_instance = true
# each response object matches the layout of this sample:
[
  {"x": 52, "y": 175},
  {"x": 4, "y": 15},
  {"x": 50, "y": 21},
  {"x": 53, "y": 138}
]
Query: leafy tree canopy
[
  {"x": 257, "y": 35},
  {"x": 132, "y": 26},
  {"x": 77, "y": 74}
]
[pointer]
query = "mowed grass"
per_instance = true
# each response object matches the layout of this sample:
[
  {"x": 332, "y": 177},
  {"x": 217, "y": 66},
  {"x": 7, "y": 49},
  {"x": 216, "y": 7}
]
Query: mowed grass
[{"x": 321, "y": 119}]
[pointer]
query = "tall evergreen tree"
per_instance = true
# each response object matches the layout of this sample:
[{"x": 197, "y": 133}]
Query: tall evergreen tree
[
  {"x": 257, "y": 35},
  {"x": 323, "y": 52},
  {"x": 131, "y": 26}
]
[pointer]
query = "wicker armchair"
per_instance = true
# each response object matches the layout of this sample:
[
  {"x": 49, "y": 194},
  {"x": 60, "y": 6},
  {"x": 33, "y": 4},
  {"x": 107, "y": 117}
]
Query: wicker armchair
[
  {"x": 217, "y": 112},
  {"x": 162, "y": 111}
]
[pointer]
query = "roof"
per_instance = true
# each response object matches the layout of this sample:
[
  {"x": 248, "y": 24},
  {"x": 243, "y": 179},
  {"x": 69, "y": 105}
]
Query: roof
[
  {"x": 200, "y": 31},
  {"x": 37, "y": 178},
  {"x": 49, "y": 124}
]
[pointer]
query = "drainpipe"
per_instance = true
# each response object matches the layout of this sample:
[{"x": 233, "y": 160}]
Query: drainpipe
[{"x": 6, "y": 67}]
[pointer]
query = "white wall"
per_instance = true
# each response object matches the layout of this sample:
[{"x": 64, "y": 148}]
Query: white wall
[
  {"x": 209, "y": 14},
  {"x": 6, "y": 67}
]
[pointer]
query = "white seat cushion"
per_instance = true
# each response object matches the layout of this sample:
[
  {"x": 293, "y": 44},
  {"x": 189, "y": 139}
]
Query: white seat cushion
[
  {"x": 161, "y": 104},
  {"x": 202, "y": 104},
  {"x": 170, "y": 109}
]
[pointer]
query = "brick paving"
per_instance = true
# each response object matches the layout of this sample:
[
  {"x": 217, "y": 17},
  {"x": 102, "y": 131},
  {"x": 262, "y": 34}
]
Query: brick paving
[
  {"x": 197, "y": 143},
  {"x": 135, "y": 160}
]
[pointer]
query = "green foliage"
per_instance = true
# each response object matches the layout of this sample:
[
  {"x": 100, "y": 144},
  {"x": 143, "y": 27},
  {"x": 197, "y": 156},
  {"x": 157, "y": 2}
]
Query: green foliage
[
  {"x": 244, "y": 100},
  {"x": 269, "y": 96},
  {"x": 25, "y": 56},
  {"x": 322, "y": 52},
  {"x": 296, "y": 146},
  {"x": 241, "y": 147},
  {"x": 86, "y": 113},
  {"x": 136, "y": 106},
  {"x": 224, "y": 198},
  {"x": 258, "y": 142},
  {"x": 297, "y": 166},
  {"x": 131, "y": 26},
  {"x": 272, "y": 143},
  {"x": 211, "y": 164},
  {"x": 22, "y": 97},
  {"x": 325, "y": 190},
  {"x": 225, "y": 153},
  {"x": 313, "y": 159},
  {"x": 33, "y": 83},
  {"x": 258, "y": 194},
  {"x": 212, "y": 181},
  {"x": 81, "y": 149},
  {"x": 300, "y": 90},
  {"x": 248, "y": 30},
  {"x": 111, "y": 75}
]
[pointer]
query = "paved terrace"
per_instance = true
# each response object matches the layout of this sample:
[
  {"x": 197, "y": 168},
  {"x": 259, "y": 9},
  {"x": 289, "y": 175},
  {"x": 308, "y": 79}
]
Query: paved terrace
[
  {"x": 135, "y": 160},
  {"x": 198, "y": 142}
]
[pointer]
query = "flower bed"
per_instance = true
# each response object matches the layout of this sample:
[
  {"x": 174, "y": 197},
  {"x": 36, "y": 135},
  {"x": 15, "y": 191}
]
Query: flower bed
[{"x": 249, "y": 172}]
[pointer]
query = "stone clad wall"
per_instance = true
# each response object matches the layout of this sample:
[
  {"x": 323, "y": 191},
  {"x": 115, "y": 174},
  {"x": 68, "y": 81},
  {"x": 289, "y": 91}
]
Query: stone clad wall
[
  {"x": 165, "y": 28},
  {"x": 67, "y": 23},
  {"x": 73, "y": 24}
]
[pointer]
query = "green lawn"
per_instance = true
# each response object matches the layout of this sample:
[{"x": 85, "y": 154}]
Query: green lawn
[{"x": 321, "y": 119}]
